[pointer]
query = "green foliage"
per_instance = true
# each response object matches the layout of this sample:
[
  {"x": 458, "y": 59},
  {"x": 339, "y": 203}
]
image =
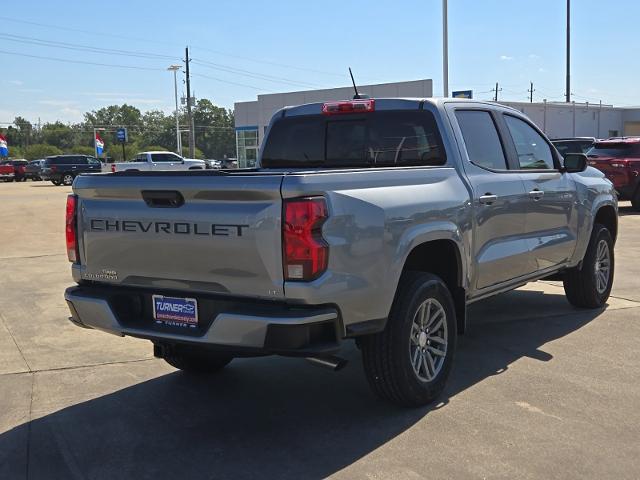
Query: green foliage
[
  {"x": 81, "y": 150},
  {"x": 40, "y": 150},
  {"x": 158, "y": 148},
  {"x": 153, "y": 130}
]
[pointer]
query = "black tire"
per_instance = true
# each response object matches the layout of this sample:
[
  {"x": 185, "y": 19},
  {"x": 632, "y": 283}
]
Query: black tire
[
  {"x": 67, "y": 179},
  {"x": 197, "y": 362},
  {"x": 387, "y": 356},
  {"x": 56, "y": 182},
  {"x": 581, "y": 285},
  {"x": 635, "y": 200}
]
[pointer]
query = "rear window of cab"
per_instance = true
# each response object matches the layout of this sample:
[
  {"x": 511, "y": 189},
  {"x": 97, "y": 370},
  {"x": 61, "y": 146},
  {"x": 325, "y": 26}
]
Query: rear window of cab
[
  {"x": 376, "y": 139},
  {"x": 615, "y": 150}
]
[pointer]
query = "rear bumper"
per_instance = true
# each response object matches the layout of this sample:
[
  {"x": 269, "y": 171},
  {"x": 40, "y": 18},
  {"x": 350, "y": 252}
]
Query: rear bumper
[
  {"x": 232, "y": 325},
  {"x": 6, "y": 176}
]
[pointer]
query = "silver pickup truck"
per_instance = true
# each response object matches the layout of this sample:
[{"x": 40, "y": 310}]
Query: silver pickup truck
[{"x": 377, "y": 220}]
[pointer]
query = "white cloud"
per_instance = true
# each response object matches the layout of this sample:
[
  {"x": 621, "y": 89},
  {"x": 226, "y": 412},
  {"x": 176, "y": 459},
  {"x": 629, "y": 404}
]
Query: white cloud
[
  {"x": 533, "y": 56},
  {"x": 541, "y": 70},
  {"x": 19, "y": 83},
  {"x": 58, "y": 103},
  {"x": 31, "y": 90},
  {"x": 505, "y": 57}
]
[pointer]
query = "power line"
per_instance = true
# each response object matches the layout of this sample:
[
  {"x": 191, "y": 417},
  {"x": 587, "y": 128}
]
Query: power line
[
  {"x": 81, "y": 62},
  {"x": 87, "y": 48},
  {"x": 228, "y": 81},
  {"x": 157, "y": 42},
  {"x": 247, "y": 73}
]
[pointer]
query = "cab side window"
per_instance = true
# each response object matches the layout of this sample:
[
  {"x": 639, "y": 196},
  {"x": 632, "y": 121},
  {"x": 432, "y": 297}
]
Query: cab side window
[
  {"x": 533, "y": 151},
  {"x": 481, "y": 139}
]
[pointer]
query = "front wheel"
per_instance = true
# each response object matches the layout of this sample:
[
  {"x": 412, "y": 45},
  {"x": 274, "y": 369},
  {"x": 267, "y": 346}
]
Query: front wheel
[
  {"x": 409, "y": 361},
  {"x": 590, "y": 286}
]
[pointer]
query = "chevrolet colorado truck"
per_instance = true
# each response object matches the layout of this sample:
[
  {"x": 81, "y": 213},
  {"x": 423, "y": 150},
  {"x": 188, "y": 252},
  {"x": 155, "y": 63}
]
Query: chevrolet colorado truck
[{"x": 374, "y": 220}]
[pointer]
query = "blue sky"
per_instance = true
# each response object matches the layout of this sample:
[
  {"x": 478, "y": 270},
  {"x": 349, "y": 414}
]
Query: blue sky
[{"x": 251, "y": 47}]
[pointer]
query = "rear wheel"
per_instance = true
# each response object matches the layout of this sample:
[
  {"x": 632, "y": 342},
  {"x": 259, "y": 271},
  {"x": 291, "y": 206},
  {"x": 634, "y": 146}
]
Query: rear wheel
[
  {"x": 635, "y": 200},
  {"x": 67, "y": 179},
  {"x": 409, "y": 361},
  {"x": 56, "y": 182},
  {"x": 590, "y": 286},
  {"x": 197, "y": 362}
]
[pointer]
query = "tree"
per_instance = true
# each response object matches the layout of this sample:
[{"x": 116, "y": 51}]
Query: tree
[
  {"x": 58, "y": 134},
  {"x": 158, "y": 129},
  {"x": 40, "y": 150},
  {"x": 115, "y": 116},
  {"x": 215, "y": 133}
]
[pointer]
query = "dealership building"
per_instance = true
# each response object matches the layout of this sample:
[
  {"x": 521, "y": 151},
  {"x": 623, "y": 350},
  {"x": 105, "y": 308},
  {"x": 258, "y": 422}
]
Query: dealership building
[{"x": 556, "y": 119}]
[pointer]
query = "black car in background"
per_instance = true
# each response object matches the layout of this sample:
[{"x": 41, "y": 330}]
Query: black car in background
[
  {"x": 32, "y": 170},
  {"x": 573, "y": 145},
  {"x": 62, "y": 169}
]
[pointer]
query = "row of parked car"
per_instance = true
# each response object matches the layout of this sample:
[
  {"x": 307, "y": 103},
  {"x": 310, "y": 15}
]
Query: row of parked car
[
  {"x": 617, "y": 157},
  {"x": 62, "y": 169}
]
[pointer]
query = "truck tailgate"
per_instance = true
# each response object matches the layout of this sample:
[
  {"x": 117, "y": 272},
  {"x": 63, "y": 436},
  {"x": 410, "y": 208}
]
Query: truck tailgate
[{"x": 197, "y": 232}]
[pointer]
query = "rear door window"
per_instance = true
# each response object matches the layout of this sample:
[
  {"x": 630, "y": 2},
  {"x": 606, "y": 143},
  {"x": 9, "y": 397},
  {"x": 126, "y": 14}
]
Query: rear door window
[
  {"x": 481, "y": 139},
  {"x": 387, "y": 138},
  {"x": 164, "y": 157}
]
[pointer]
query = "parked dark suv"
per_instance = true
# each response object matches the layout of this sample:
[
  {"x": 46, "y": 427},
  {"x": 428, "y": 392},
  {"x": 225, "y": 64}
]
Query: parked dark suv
[{"x": 62, "y": 169}]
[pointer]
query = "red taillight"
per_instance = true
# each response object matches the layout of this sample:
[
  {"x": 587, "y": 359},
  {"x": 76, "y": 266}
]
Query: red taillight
[
  {"x": 71, "y": 230},
  {"x": 351, "y": 106},
  {"x": 53, "y": 168},
  {"x": 305, "y": 252},
  {"x": 21, "y": 168},
  {"x": 113, "y": 168}
]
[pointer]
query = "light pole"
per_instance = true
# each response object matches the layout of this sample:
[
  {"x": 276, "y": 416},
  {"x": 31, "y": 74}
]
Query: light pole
[
  {"x": 174, "y": 69},
  {"x": 445, "y": 50}
]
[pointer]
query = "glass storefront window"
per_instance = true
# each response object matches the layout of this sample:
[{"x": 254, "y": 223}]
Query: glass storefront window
[{"x": 247, "y": 146}]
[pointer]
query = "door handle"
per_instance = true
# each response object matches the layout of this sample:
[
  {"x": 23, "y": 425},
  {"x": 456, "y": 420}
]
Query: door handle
[
  {"x": 536, "y": 194},
  {"x": 488, "y": 198}
]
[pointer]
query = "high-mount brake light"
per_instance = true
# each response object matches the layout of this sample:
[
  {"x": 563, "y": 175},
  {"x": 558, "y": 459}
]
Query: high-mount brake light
[
  {"x": 71, "y": 229},
  {"x": 350, "y": 106},
  {"x": 305, "y": 253}
]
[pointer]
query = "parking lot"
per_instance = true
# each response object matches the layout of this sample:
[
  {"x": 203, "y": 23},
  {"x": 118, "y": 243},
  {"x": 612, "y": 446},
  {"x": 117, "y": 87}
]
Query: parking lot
[{"x": 539, "y": 389}]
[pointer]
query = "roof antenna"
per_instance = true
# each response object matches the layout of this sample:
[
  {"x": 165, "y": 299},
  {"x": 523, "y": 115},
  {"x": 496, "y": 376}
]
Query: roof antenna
[{"x": 357, "y": 95}]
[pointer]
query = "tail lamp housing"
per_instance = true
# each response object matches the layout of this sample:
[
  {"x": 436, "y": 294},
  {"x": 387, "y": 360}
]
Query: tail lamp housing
[
  {"x": 351, "y": 106},
  {"x": 71, "y": 228},
  {"x": 305, "y": 252}
]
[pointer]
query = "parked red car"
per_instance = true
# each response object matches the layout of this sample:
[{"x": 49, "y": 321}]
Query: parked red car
[
  {"x": 13, "y": 166},
  {"x": 619, "y": 160}
]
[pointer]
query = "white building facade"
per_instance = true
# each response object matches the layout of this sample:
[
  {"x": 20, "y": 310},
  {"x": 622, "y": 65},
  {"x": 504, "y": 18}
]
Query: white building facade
[{"x": 557, "y": 120}]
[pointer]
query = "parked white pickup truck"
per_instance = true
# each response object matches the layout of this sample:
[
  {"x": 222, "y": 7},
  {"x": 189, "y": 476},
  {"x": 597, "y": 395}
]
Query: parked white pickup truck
[{"x": 154, "y": 161}]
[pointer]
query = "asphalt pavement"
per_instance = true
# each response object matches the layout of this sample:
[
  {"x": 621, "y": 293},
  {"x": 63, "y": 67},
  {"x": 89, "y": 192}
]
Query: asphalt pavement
[{"x": 539, "y": 389}]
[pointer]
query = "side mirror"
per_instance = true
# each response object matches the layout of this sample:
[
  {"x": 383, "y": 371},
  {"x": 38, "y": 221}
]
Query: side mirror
[{"x": 575, "y": 162}]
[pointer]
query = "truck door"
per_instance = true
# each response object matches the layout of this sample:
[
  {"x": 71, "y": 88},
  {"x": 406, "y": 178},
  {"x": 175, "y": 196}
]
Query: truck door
[
  {"x": 499, "y": 247},
  {"x": 551, "y": 221},
  {"x": 165, "y": 161}
]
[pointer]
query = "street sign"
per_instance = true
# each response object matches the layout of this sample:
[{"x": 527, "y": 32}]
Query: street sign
[
  {"x": 121, "y": 135},
  {"x": 462, "y": 94}
]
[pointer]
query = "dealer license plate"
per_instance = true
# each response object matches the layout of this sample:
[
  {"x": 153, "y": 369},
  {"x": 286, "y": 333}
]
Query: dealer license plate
[{"x": 175, "y": 311}]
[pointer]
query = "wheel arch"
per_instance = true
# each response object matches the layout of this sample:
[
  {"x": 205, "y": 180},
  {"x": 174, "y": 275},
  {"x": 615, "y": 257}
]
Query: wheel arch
[
  {"x": 442, "y": 257},
  {"x": 606, "y": 215}
]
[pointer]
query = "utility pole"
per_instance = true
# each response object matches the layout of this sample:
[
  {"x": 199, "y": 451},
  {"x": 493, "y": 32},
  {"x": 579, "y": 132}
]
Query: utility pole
[
  {"x": 568, "y": 85},
  {"x": 496, "y": 90},
  {"x": 445, "y": 50},
  {"x": 531, "y": 90},
  {"x": 192, "y": 133}
]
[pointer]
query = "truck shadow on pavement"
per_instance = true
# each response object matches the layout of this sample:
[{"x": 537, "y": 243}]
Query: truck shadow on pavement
[{"x": 265, "y": 418}]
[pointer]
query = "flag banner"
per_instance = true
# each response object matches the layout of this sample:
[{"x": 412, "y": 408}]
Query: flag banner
[
  {"x": 99, "y": 144},
  {"x": 4, "y": 147}
]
